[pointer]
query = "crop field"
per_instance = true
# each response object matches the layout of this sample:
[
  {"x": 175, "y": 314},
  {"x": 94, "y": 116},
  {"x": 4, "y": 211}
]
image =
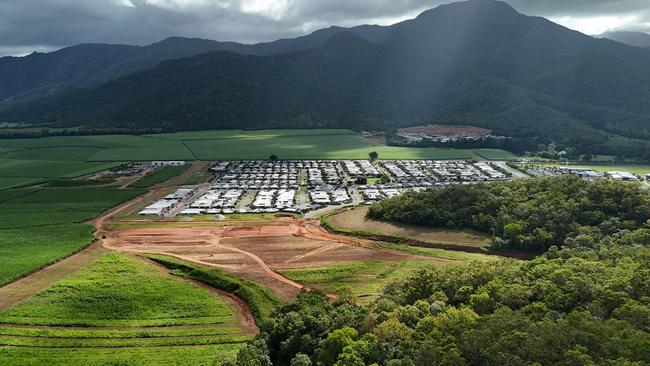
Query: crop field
[
  {"x": 214, "y": 145},
  {"x": 118, "y": 310},
  {"x": 39, "y": 226},
  {"x": 32, "y": 165},
  {"x": 355, "y": 220},
  {"x": 367, "y": 278},
  {"x": 316, "y": 146}
]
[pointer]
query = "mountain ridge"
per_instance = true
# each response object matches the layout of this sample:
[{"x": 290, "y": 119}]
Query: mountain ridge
[{"x": 479, "y": 62}]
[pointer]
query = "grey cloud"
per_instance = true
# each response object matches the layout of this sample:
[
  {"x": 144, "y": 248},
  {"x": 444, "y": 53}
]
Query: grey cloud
[{"x": 45, "y": 24}]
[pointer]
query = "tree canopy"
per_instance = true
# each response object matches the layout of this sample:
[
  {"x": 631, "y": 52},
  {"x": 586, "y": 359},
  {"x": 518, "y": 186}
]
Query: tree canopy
[{"x": 530, "y": 214}]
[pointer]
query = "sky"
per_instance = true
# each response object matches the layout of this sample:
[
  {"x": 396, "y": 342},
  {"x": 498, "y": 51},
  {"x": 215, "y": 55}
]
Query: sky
[{"x": 45, "y": 25}]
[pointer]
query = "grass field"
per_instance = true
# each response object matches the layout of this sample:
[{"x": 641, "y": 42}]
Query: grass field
[
  {"x": 495, "y": 154},
  {"x": 261, "y": 301},
  {"x": 354, "y": 220},
  {"x": 217, "y": 145},
  {"x": 39, "y": 226},
  {"x": 367, "y": 279},
  {"x": 317, "y": 146},
  {"x": 158, "y": 176},
  {"x": 119, "y": 310}
]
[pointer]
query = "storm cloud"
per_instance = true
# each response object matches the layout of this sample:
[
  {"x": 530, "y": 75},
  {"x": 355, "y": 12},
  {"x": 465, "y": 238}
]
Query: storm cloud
[{"x": 29, "y": 25}]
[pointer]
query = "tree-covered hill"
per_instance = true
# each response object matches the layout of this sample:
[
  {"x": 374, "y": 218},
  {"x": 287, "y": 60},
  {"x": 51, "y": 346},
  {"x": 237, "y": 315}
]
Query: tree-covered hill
[
  {"x": 584, "y": 302},
  {"x": 576, "y": 306},
  {"x": 529, "y": 214}
]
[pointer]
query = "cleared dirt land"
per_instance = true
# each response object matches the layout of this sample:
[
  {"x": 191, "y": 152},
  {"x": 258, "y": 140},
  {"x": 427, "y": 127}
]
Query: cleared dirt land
[
  {"x": 355, "y": 220},
  {"x": 257, "y": 251}
]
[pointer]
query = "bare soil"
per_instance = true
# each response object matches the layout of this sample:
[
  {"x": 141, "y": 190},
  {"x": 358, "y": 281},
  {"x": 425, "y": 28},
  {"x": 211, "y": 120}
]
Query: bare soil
[{"x": 256, "y": 251}]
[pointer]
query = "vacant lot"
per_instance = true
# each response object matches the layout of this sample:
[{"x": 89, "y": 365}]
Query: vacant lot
[
  {"x": 129, "y": 310},
  {"x": 39, "y": 226},
  {"x": 355, "y": 220}
]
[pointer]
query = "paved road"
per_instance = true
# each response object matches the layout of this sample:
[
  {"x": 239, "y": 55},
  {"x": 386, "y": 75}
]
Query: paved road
[{"x": 187, "y": 201}]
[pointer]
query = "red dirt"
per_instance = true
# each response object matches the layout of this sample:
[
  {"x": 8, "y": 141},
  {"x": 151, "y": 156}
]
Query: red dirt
[{"x": 256, "y": 251}]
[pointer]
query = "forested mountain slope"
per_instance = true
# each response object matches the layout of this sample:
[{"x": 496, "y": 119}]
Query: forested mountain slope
[{"x": 476, "y": 62}]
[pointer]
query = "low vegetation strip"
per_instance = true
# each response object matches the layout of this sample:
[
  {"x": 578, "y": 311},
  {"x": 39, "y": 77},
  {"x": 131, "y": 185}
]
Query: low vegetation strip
[
  {"x": 150, "y": 356},
  {"x": 159, "y": 175},
  {"x": 130, "y": 342},
  {"x": 133, "y": 332},
  {"x": 121, "y": 303},
  {"x": 260, "y": 300}
]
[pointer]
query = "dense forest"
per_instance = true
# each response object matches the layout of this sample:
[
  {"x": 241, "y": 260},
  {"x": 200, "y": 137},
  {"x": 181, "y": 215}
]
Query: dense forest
[
  {"x": 528, "y": 215},
  {"x": 586, "y": 301},
  {"x": 570, "y": 307}
]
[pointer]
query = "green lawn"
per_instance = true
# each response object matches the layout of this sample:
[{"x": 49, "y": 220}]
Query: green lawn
[
  {"x": 40, "y": 226},
  {"x": 367, "y": 279},
  {"x": 130, "y": 309}
]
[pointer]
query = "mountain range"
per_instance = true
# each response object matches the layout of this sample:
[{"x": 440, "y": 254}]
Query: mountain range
[
  {"x": 477, "y": 62},
  {"x": 637, "y": 39}
]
